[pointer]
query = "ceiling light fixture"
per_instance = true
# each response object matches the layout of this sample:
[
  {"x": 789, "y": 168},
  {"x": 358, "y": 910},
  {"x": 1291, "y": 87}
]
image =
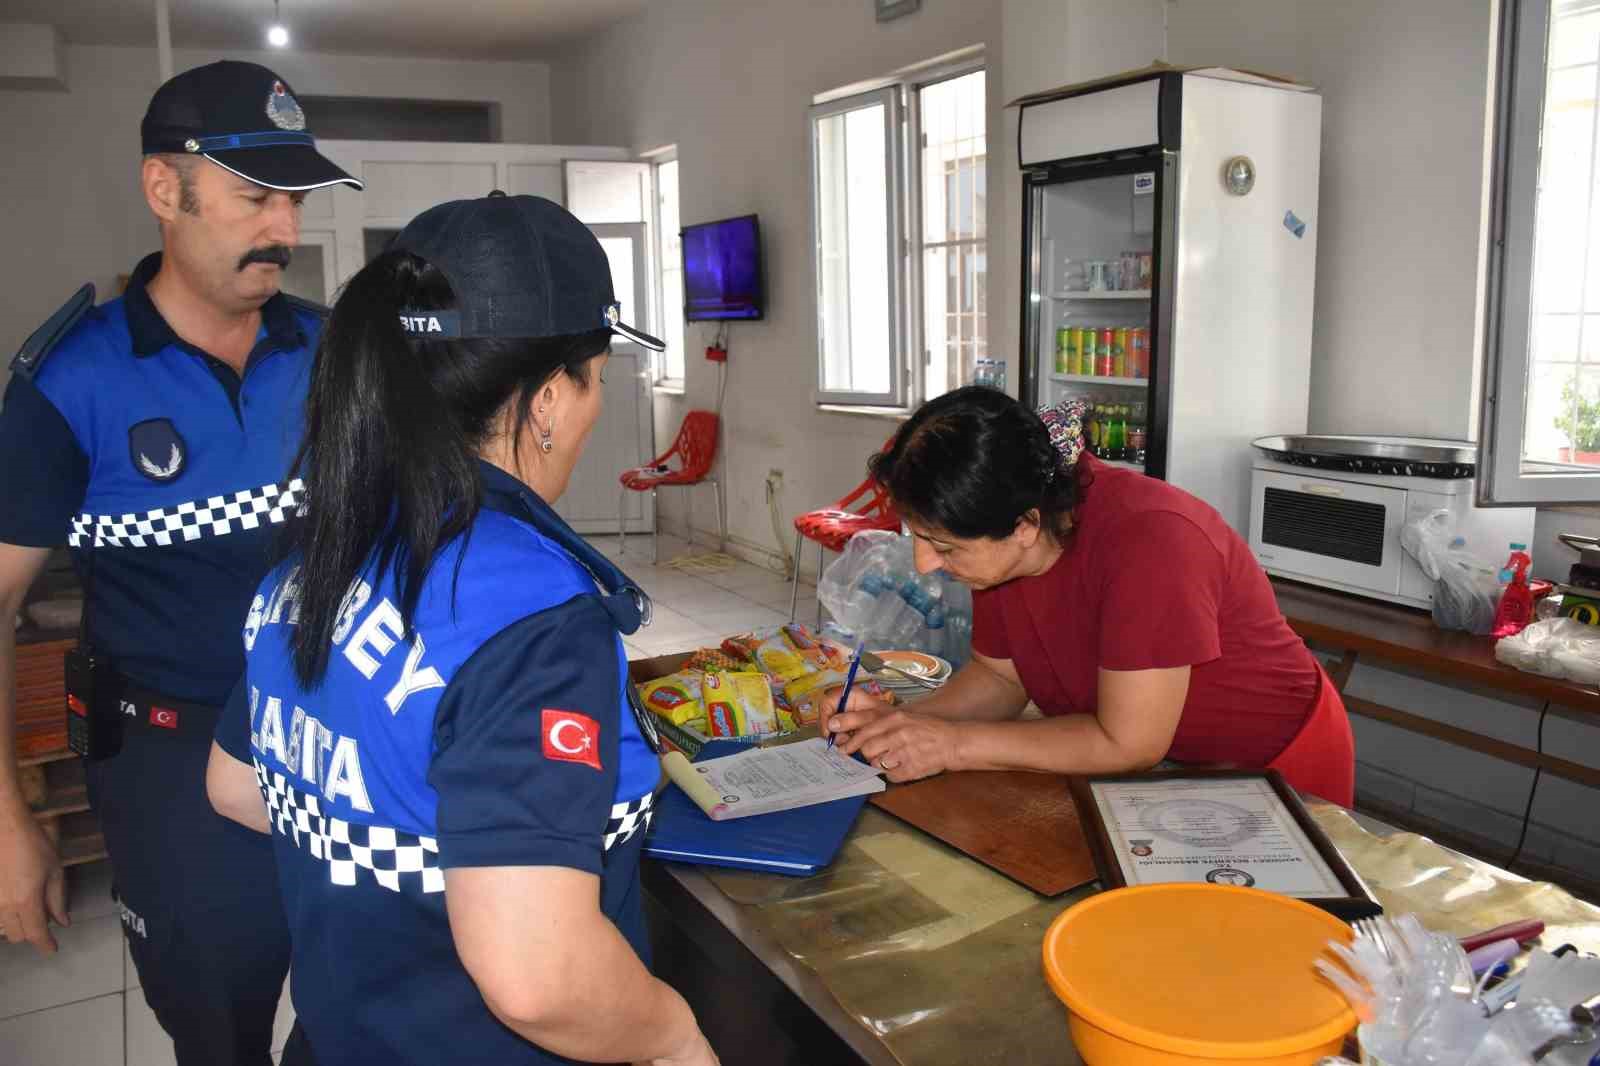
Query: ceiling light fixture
[{"x": 277, "y": 33}]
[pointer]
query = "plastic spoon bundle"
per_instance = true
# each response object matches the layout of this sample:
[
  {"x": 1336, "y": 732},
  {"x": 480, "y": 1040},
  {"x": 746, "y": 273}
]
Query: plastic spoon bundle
[{"x": 1419, "y": 1006}]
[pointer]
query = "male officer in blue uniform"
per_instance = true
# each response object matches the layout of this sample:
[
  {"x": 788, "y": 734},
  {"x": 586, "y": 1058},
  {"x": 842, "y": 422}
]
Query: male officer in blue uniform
[{"x": 152, "y": 434}]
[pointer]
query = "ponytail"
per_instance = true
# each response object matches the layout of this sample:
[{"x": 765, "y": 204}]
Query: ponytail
[{"x": 393, "y": 431}]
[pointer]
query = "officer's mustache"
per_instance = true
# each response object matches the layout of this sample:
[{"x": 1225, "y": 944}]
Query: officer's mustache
[{"x": 276, "y": 254}]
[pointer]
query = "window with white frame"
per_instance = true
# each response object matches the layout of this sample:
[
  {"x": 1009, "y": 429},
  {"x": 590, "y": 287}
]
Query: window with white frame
[
  {"x": 669, "y": 255},
  {"x": 899, "y": 182},
  {"x": 1541, "y": 416}
]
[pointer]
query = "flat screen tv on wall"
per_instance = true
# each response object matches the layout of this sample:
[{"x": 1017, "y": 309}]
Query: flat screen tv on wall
[{"x": 722, "y": 270}]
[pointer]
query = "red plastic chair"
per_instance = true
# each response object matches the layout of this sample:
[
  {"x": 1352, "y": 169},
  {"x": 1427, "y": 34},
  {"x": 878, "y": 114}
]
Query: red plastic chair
[
  {"x": 866, "y": 507},
  {"x": 695, "y": 449}
]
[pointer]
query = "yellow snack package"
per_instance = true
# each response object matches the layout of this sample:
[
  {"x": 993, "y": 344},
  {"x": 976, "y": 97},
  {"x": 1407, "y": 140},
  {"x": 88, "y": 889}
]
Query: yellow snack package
[
  {"x": 818, "y": 654},
  {"x": 738, "y": 704},
  {"x": 675, "y": 697},
  {"x": 787, "y": 652},
  {"x": 805, "y": 687}
]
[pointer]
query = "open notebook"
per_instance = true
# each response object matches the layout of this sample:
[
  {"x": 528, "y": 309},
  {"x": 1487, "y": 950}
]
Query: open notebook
[{"x": 796, "y": 842}]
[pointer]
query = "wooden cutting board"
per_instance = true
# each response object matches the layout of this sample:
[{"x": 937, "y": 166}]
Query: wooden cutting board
[{"x": 1021, "y": 824}]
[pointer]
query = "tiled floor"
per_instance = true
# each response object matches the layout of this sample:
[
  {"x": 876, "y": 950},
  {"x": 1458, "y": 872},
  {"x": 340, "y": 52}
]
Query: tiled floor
[{"x": 83, "y": 1006}]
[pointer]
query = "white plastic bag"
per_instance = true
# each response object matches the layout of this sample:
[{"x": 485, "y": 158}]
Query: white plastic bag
[
  {"x": 1554, "y": 647},
  {"x": 1467, "y": 592},
  {"x": 1426, "y": 540},
  {"x": 1466, "y": 589}
]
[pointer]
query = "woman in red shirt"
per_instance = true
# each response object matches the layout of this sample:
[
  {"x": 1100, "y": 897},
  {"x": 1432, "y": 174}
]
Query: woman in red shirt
[{"x": 1127, "y": 610}]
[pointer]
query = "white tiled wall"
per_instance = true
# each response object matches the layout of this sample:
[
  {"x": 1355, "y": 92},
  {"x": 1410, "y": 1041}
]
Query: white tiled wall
[{"x": 1481, "y": 795}]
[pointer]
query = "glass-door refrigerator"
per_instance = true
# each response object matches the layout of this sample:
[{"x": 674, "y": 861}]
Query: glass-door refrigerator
[{"x": 1169, "y": 252}]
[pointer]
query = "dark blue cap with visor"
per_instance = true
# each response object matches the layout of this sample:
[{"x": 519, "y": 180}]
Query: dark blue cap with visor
[
  {"x": 519, "y": 266},
  {"x": 245, "y": 119}
]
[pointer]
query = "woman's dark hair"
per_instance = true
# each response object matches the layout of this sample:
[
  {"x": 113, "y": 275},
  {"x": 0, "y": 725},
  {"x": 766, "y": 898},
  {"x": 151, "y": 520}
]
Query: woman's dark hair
[
  {"x": 393, "y": 429},
  {"x": 973, "y": 462}
]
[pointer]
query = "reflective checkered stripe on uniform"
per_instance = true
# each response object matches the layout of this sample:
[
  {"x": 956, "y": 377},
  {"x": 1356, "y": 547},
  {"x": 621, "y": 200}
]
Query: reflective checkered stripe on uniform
[
  {"x": 395, "y": 858},
  {"x": 627, "y": 819},
  {"x": 216, "y": 516}
]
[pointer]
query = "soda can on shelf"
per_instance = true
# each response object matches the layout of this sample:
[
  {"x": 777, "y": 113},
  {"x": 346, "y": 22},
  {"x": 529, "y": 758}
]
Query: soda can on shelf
[
  {"x": 1119, "y": 352},
  {"x": 1075, "y": 350},
  {"x": 1062, "y": 357},
  {"x": 1139, "y": 352},
  {"x": 1102, "y": 352}
]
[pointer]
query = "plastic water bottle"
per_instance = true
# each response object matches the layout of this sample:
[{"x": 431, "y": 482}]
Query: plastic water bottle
[
  {"x": 934, "y": 637},
  {"x": 881, "y": 625},
  {"x": 958, "y": 622},
  {"x": 863, "y": 600},
  {"x": 912, "y": 619},
  {"x": 958, "y": 639}
]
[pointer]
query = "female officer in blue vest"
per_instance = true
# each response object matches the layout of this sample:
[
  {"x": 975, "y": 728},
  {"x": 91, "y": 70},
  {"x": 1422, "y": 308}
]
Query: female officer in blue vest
[{"x": 435, "y": 710}]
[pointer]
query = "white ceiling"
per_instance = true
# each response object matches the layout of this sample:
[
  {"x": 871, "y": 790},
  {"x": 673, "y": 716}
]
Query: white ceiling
[{"x": 455, "y": 29}]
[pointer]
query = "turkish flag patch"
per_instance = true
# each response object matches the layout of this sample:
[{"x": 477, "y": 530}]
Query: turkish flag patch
[
  {"x": 163, "y": 717},
  {"x": 570, "y": 737}
]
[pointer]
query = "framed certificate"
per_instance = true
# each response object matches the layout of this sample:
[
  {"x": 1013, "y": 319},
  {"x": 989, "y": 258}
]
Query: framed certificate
[{"x": 1224, "y": 827}]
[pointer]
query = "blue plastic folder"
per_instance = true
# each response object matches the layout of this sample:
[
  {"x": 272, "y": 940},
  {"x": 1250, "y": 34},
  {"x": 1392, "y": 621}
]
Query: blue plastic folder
[{"x": 796, "y": 842}]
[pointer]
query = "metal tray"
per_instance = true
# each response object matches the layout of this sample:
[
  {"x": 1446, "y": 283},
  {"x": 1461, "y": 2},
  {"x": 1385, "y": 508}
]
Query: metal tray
[{"x": 1395, "y": 456}]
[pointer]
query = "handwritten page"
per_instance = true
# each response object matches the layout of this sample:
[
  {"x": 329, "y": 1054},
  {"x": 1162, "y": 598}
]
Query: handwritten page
[{"x": 763, "y": 780}]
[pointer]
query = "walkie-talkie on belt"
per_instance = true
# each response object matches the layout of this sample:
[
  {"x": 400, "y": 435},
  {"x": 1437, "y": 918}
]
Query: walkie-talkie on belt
[{"x": 94, "y": 720}]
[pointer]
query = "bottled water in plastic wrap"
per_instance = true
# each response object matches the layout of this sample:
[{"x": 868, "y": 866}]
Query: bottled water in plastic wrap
[{"x": 874, "y": 593}]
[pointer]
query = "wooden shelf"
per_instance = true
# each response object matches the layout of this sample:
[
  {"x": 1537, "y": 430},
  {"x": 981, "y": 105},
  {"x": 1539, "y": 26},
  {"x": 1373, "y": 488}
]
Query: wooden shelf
[
  {"x": 1109, "y": 294},
  {"x": 75, "y": 851},
  {"x": 1095, "y": 379},
  {"x": 67, "y": 800},
  {"x": 58, "y": 755}
]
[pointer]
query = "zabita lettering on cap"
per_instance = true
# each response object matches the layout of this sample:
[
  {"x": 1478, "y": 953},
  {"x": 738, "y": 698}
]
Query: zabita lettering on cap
[{"x": 518, "y": 267}]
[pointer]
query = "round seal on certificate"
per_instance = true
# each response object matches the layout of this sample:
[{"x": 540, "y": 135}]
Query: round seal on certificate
[{"x": 1227, "y": 875}]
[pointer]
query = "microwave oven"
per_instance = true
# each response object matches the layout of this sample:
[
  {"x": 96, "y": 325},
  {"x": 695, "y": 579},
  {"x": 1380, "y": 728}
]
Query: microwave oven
[{"x": 1341, "y": 529}]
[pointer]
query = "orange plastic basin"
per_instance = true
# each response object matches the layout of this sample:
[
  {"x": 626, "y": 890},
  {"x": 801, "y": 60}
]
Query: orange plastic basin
[{"x": 1182, "y": 974}]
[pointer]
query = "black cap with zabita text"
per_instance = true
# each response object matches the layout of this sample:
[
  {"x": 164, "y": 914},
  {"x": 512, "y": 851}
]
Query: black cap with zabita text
[{"x": 518, "y": 266}]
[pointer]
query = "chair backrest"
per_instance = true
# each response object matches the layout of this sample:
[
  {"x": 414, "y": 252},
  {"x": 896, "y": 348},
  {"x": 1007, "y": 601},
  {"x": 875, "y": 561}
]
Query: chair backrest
[
  {"x": 869, "y": 501},
  {"x": 696, "y": 443}
]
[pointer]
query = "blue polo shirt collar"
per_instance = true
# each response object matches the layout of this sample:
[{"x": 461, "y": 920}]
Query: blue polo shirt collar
[
  {"x": 625, "y": 601},
  {"x": 150, "y": 333}
]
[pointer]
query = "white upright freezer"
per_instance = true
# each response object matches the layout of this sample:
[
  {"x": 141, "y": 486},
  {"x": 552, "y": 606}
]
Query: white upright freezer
[{"x": 1173, "y": 216}]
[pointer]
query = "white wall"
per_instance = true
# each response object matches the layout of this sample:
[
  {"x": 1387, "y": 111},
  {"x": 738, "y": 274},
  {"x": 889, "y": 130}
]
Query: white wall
[
  {"x": 1396, "y": 339},
  {"x": 522, "y": 90},
  {"x": 69, "y": 174},
  {"x": 729, "y": 84}
]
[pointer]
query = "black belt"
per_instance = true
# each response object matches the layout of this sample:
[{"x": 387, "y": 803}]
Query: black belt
[{"x": 151, "y": 712}]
